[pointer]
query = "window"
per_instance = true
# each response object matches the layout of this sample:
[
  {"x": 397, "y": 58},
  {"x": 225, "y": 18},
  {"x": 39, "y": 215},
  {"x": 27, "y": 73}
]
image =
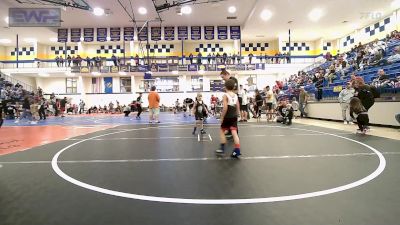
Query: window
[
  {"x": 125, "y": 85},
  {"x": 72, "y": 84},
  {"x": 197, "y": 83},
  {"x": 163, "y": 84}
]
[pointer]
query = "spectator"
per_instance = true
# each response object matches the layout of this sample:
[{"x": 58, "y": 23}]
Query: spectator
[
  {"x": 344, "y": 99},
  {"x": 88, "y": 62},
  {"x": 58, "y": 61},
  {"x": 250, "y": 57},
  {"x": 154, "y": 105},
  {"x": 63, "y": 103},
  {"x": 69, "y": 59},
  {"x": 199, "y": 58},
  {"x": 191, "y": 58},
  {"x": 395, "y": 57},
  {"x": 303, "y": 98},
  {"x": 114, "y": 59}
]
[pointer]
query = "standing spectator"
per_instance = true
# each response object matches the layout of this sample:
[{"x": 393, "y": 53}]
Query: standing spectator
[
  {"x": 81, "y": 106},
  {"x": 58, "y": 61},
  {"x": 209, "y": 58},
  {"x": 34, "y": 108},
  {"x": 114, "y": 59},
  {"x": 69, "y": 59},
  {"x": 88, "y": 62},
  {"x": 191, "y": 58},
  {"x": 137, "y": 60},
  {"x": 154, "y": 105},
  {"x": 139, "y": 102},
  {"x": 61, "y": 61},
  {"x": 244, "y": 106},
  {"x": 42, "y": 109},
  {"x": 319, "y": 84},
  {"x": 63, "y": 103},
  {"x": 199, "y": 58},
  {"x": 344, "y": 99},
  {"x": 250, "y": 57},
  {"x": 269, "y": 99},
  {"x": 224, "y": 57},
  {"x": 303, "y": 98},
  {"x": 234, "y": 58}
]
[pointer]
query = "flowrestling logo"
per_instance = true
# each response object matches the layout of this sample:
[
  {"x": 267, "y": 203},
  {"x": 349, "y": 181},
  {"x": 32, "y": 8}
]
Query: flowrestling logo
[{"x": 34, "y": 17}]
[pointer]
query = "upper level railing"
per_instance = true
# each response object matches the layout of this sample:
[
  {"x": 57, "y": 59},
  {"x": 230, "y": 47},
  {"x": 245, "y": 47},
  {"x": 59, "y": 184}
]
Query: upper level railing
[{"x": 169, "y": 60}]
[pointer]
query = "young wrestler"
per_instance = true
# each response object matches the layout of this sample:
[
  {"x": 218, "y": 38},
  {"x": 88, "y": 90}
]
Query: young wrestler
[
  {"x": 229, "y": 118},
  {"x": 199, "y": 110}
]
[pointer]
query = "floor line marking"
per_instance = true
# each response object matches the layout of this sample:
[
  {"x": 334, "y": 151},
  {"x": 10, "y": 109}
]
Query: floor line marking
[
  {"x": 197, "y": 201},
  {"x": 203, "y": 159}
]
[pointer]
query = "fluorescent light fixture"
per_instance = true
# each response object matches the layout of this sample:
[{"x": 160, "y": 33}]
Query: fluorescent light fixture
[
  {"x": 315, "y": 14},
  {"x": 175, "y": 72},
  {"x": 232, "y": 9},
  {"x": 186, "y": 10},
  {"x": 98, "y": 11},
  {"x": 122, "y": 73},
  {"x": 6, "y": 19},
  {"x": 30, "y": 40},
  {"x": 395, "y": 4},
  {"x": 142, "y": 10},
  {"x": 266, "y": 15},
  {"x": 95, "y": 73},
  {"x": 5, "y": 41},
  {"x": 53, "y": 39}
]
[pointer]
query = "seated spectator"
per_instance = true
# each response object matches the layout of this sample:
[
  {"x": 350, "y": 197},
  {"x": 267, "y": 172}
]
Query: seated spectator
[
  {"x": 396, "y": 56},
  {"x": 382, "y": 80}
]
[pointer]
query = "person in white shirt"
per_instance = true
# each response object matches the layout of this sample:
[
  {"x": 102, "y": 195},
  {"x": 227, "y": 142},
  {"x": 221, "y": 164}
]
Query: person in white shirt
[
  {"x": 395, "y": 57},
  {"x": 344, "y": 99},
  {"x": 269, "y": 99},
  {"x": 244, "y": 106}
]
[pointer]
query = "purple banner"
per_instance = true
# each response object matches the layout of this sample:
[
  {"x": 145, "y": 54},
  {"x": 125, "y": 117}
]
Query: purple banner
[
  {"x": 88, "y": 34},
  {"x": 169, "y": 33},
  {"x": 102, "y": 34},
  {"x": 183, "y": 33},
  {"x": 155, "y": 33},
  {"x": 222, "y": 32},
  {"x": 209, "y": 32},
  {"x": 115, "y": 33},
  {"x": 129, "y": 33}
]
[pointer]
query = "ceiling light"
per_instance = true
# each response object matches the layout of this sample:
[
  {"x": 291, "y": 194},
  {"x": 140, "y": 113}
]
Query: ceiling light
[
  {"x": 53, "y": 39},
  {"x": 6, "y": 19},
  {"x": 142, "y": 10},
  {"x": 175, "y": 72},
  {"x": 5, "y": 41},
  {"x": 122, "y": 73},
  {"x": 315, "y": 14},
  {"x": 395, "y": 4},
  {"x": 232, "y": 9},
  {"x": 98, "y": 11},
  {"x": 30, "y": 40},
  {"x": 186, "y": 10},
  {"x": 95, "y": 73},
  {"x": 266, "y": 15}
]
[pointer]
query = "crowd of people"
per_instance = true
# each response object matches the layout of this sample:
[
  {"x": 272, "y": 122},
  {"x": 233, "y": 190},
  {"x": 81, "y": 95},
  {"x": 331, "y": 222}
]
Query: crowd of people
[
  {"x": 229, "y": 59},
  {"x": 90, "y": 62}
]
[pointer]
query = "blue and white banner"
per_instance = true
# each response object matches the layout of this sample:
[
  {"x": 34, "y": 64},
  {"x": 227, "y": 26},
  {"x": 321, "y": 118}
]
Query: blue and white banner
[
  {"x": 260, "y": 66},
  {"x": 169, "y": 33},
  {"x": 155, "y": 33},
  {"x": 115, "y": 33},
  {"x": 143, "y": 34},
  {"x": 195, "y": 32},
  {"x": 183, "y": 33},
  {"x": 192, "y": 67},
  {"x": 162, "y": 68},
  {"x": 235, "y": 32},
  {"x": 142, "y": 68},
  {"x": 108, "y": 85},
  {"x": 222, "y": 32},
  {"x": 102, "y": 34},
  {"x": 129, "y": 33},
  {"x": 76, "y": 34},
  {"x": 209, "y": 32},
  {"x": 62, "y": 35},
  {"x": 88, "y": 34}
]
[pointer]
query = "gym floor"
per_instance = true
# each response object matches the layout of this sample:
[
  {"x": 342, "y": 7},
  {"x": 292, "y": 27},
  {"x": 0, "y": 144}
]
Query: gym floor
[{"x": 122, "y": 171}]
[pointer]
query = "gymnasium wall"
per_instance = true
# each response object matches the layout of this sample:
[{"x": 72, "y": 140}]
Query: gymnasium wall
[{"x": 380, "y": 113}]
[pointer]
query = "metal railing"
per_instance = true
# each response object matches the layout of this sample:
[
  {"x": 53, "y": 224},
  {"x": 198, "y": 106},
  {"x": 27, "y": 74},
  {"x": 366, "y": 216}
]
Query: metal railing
[{"x": 14, "y": 81}]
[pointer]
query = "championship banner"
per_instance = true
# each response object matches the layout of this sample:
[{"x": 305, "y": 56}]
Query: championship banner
[
  {"x": 222, "y": 32},
  {"x": 142, "y": 68},
  {"x": 209, "y": 32},
  {"x": 195, "y": 32},
  {"x": 169, "y": 33},
  {"x": 129, "y": 33},
  {"x": 183, "y": 33},
  {"x": 114, "y": 69},
  {"x": 154, "y": 67},
  {"x": 88, "y": 34},
  {"x": 115, "y": 33},
  {"x": 108, "y": 85},
  {"x": 84, "y": 69},
  {"x": 62, "y": 35},
  {"x": 337, "y": 89},
  {"x": 102, "y": 34},
  {"x": 155, "y": 33},
  {"x": 142, "y": 34},
  {"x": 75, "y": 34},
  {"x": 251, "y": 67},
  {"x": 192, "y": 67},
  {"x": 260, "y": 66},
  {"x": 235, "y": 32}
]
